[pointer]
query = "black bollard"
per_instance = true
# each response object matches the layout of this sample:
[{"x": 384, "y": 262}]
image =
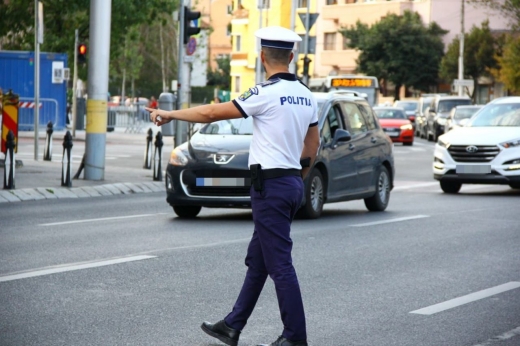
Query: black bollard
[
  {"x": 47, "y": 150},
  {"x": 157, "y": 170},
  {"x": 10, "y": 161},
  {"x": 65, "y": 162},
  {"x": 148, "y": 150}
]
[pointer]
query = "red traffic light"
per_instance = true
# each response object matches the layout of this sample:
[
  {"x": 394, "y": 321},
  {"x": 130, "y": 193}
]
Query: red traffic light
[{"x": 82, "y": 49}]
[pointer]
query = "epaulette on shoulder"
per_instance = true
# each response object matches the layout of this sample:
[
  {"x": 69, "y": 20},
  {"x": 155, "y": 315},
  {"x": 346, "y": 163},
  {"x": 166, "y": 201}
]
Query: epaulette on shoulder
[
  {"x": 269, "y": 82},
  {"x": 302, "y": 83}
]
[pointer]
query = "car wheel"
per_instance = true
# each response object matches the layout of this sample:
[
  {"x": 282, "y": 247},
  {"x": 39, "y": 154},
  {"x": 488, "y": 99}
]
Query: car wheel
[
  {"x": 450, "y": 186},
  {"x": 187, "y": 212},
  {"x": 379, "y": 201},
  {"x": 408, "y": 143},
  {"x": 314, "y": 196}
]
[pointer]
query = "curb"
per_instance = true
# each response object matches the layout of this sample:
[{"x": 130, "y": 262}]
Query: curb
[{"x": 79, "y": 192}]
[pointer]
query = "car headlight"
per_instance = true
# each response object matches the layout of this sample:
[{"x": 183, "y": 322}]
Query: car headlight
[
  {"x": 443, "y": 144},
  {"x": 407, "y": 127},
  {"x": 441, "y": 121},
  {"x": 178, "y": 158},
  {"x": 511, "y": 144}
]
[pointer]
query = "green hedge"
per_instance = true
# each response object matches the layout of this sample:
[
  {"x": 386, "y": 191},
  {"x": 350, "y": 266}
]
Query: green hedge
[{"x": 202, "y": 94}]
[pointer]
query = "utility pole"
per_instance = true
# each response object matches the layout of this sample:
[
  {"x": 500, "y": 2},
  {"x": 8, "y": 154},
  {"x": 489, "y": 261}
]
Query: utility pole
[
  {"x": 306, "y": 48},
  {"x": 184, "y": 70},
  {"x": 99, "y": 56},
  {"x": 292, "y": 64},
  {"x": 259, "y": 49},
  {"x": 38, "y": 39},
  {"x": 461, "y": 49},
  {"x": 74, "y": 85}
]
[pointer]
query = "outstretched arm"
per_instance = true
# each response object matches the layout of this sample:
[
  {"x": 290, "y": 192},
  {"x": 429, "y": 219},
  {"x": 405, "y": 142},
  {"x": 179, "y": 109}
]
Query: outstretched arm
[{"x": 201, "y": 114}]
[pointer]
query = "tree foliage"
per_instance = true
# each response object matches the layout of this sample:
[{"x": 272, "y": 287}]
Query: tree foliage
[
  {"x": 399, "y": 49},
  {"x": 509, "y": 62},
  {"x": 220, "y": 76},
  {"x": 480, "y": 50},
  {"x": 63, "y": 17}
]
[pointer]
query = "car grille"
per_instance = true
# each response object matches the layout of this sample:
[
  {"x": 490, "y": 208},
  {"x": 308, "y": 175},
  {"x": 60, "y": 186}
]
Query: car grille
[
  {"x": 460, "y": 153},
  {"x": 212, "y": 191}
]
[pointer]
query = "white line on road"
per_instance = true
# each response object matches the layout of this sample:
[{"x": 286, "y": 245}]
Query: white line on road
[
  {"x": 507, "y": 335},
  {"x": 433, "y": 309},
  {"x": 390, "y": 221},
  {"x": 68, "y": 268},
  {"x": 101, "y": 219},
  {"x": 415, "y": 186}
]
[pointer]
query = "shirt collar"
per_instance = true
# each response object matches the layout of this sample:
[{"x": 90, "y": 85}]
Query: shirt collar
[{"x": 284, "y": 75}]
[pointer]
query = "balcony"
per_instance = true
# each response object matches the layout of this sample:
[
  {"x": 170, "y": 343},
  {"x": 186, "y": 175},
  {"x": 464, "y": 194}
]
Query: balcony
[
  {"x": 241, "y": 13},
  {"x": 239, "y": 56}
]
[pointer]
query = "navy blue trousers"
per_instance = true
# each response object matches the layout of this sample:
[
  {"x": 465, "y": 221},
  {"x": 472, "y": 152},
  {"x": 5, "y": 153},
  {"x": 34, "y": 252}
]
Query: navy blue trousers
[{"x": 269, "y": 253}]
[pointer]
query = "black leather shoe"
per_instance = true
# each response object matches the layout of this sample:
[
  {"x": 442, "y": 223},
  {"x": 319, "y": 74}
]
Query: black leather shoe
[
  {"x": 221, "y": 331},
  {"x": 281, "y": 341}
]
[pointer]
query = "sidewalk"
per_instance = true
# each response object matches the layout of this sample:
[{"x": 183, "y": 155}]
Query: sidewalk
[{"x": 123, "y": 174}]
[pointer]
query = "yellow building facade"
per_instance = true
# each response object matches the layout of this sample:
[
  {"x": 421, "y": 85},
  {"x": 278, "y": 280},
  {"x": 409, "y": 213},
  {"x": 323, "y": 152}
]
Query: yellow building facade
[{"x": 247, "y": 18}]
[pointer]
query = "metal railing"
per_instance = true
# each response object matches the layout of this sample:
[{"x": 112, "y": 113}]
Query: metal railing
[
  {"x": 49, "y": 111},
  {"x": 132, "y": 118}
]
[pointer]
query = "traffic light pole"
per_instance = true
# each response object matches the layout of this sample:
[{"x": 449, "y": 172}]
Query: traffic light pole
[
  {"x": 74, "y": 83},
  {"x": 305, "y": 58},
  {"x": 99, "y": 55},
  {"x": 183, "y": 72}
]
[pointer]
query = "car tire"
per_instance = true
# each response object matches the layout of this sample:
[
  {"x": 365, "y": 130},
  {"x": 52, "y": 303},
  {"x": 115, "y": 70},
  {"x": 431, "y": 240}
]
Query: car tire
[
  {"x": 379, "y": 201},
  {"x": 314, "y": 196},
  {"x": 450, "y": 186},
  {"x": 187, "y": 211},
  {"x": 408, "y": 143}
]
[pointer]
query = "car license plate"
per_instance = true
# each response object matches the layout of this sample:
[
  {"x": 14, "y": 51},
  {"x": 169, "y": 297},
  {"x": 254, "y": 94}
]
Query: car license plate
[
  {"x": 393, "y": 133},
  {"x": 473, "y": 169},
  {"x": 221, "y": 181}
]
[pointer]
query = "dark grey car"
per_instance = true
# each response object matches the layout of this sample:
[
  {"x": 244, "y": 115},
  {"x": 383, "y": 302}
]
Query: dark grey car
[{"x": 355, "y": 161}]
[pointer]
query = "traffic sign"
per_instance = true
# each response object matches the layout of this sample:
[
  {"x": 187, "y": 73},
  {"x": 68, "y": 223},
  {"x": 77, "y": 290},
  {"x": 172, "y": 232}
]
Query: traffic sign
[
  {"x": 312, "y": 19},
  {"x": 464, "y": 82},
  {"x": 191, "y": 46}
]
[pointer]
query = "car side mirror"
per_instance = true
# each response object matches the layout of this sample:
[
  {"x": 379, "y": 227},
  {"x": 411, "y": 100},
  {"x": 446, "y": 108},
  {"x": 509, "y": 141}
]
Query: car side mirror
[
  {"x": 341, "y": 136},
  {"x": 411, "y": 118}
]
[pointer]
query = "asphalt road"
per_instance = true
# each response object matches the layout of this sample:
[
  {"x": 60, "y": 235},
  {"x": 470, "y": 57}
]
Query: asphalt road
[{"x": 434, "y": 269}]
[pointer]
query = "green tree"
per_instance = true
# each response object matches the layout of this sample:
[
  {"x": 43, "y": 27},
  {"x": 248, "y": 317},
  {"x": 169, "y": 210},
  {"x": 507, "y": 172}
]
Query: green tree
[
  {"x": 509, "y": 62},
  {"x": 62, "y": 18},
  {"x": 399, "y": 49},
  {"x": 220, "y": 76},
  {"x": 480, "y": 50}
]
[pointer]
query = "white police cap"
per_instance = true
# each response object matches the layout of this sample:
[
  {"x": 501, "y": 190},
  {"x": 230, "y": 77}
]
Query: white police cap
[{"x": 277, "y": 37}]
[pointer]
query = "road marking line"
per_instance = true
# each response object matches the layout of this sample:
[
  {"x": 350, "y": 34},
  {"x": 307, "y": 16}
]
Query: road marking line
[
  {"x": 449, "y": 304},
  {"x": 415, "y": 186},
  {"x": 390, "y": 221},
  {"x": 68, "y": 268},
  {"x": 96, "y": 220},
  {"x": 507, "y": 335}
]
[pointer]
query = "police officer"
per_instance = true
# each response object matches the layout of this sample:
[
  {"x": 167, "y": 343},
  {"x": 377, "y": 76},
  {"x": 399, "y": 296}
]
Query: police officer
[{"x": 285, "y": 131}]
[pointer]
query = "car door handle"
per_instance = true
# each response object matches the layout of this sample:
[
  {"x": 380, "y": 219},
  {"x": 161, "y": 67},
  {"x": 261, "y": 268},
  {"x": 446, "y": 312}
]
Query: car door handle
[
  {"x": 352, "y": 147},
  {"x": 373, "y": 140}
]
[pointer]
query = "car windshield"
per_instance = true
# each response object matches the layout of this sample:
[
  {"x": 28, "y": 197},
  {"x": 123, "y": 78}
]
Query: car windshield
[
  {"x": 426, "y": 104},
  {"x": 239, "y": 126},
  {"x": 390, "y": 114},
  {"x": 448, "y": 105},
  {"x": 505, "y": 114},
  {"x": 407, "y": 106},
  {"x": 464, "y": 113}
]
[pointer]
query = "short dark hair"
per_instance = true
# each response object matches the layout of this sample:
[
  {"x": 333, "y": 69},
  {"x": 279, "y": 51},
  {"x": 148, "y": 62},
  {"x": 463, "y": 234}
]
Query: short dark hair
[{"x": 277, "y": 56}]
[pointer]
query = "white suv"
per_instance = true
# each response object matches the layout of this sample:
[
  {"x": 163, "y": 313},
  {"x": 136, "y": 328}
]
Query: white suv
[{"x": 485, "y": 151}]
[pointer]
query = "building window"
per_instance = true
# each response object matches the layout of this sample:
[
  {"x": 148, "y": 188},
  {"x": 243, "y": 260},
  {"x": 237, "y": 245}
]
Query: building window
[
  {"x": 228, "y": 29},
  {"x": 229, "y": 9},
  {"x": 238, "y": 43},
  {"x": 302, "y": 3},
  {"x": 237, "y": 84},
  {"x": 329, "y": 41},
  {"x": 332, "y": 2}
]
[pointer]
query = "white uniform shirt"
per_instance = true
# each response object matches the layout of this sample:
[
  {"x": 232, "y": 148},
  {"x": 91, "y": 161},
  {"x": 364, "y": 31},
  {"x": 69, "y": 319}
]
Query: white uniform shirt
[{"x": 283, "y": 109}]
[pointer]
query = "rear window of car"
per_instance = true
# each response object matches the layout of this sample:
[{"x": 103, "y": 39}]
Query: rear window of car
[
  {"x": 407, "y": 106},
  {"x": 390, "y": 114},
  {"x": 448, "y": 105},
  {"x": 229, "y": 127}
]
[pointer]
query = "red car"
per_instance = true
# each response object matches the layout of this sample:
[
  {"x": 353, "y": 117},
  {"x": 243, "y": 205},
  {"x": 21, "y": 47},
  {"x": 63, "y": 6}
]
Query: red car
[{"x": 396, "y": 124}]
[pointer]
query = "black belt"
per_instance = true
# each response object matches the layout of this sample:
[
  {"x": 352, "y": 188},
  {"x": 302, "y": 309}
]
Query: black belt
[{"x": 280, "y": 172}]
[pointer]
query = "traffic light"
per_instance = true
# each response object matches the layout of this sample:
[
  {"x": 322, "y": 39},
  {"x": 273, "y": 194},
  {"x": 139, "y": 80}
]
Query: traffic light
[
  {"x": 82, "y": 53},
  {"x": 306, "y": 62},
  {"x": 188, "y": 29}
]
